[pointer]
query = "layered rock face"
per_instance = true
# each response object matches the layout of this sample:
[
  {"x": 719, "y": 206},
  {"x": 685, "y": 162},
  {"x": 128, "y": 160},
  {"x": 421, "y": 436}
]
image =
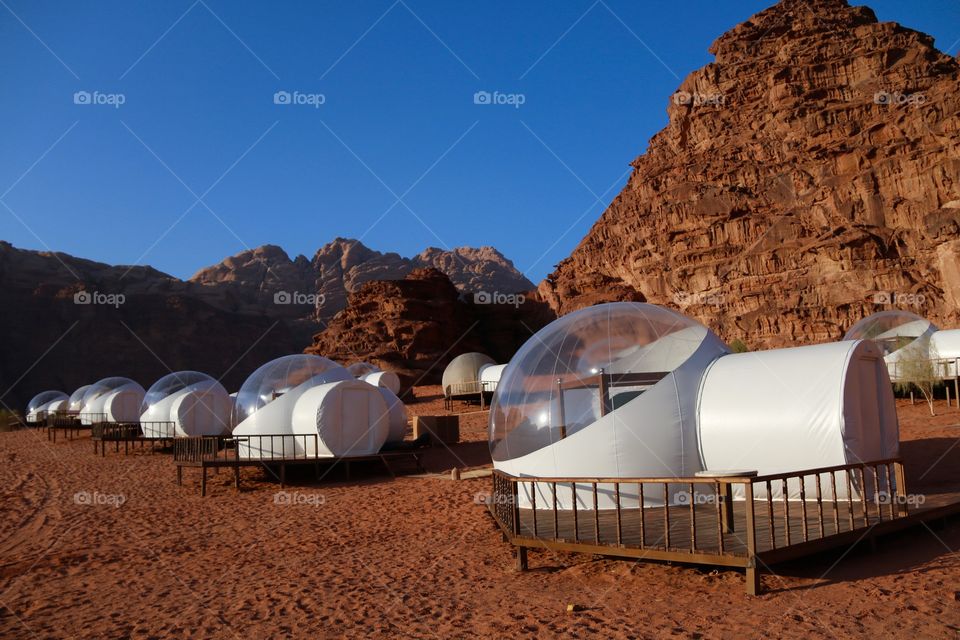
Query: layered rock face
[
  {"x": 416, "y": 325},
  {"x": 343, "y": 265},
  {"x": 808, "y": 177}
]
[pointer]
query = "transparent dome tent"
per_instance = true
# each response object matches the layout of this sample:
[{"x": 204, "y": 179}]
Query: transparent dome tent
[
  {"x": 114, "y": 399},
  {"x": 46, "y": 402},
  {"x": 462, "y": 376},
  {"x": 618, "y": 390},
  {"x": 76, "y": 399},
  {"x": 901, "y": 336},
  {"x": 305, "y": 395},
  {"x": 376, "y": 376},
  {"x": 910, "y": 344},
  {"x": 360, "y": 369},
  {"x": 186, "y": 403}
]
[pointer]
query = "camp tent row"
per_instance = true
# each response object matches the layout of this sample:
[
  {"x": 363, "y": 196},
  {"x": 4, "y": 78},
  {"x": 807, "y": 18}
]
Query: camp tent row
[
  {"x": 293, "y": 395},
  {"x": 910, "y": 344},
  {"x": 632, "y": 390}
]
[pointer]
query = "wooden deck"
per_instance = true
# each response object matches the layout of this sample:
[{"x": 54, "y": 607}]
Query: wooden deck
[
  {"x": 206, "y": 452},
  {"x": 750, "y": 532}
]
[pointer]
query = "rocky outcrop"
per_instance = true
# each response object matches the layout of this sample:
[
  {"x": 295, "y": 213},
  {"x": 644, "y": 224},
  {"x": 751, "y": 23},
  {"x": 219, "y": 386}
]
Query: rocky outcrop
[
  {"x": 416, "y": 325},
  {"x": 807, "y": 177},
  {"x": 344, "y": 264}
]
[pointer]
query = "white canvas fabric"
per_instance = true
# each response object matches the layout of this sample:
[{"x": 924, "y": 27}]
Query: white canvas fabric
[
  {"x": 945, "y": 345},
  {"x": 462, "y": 375},
  {"x": 123, "y": 404},
  {"x": 397, "y": 415},
  {"x": 350, "y": 416},
  {"x": 119, "y": 409},
  {"x": 386, "y": 379},
  {"x": 195, "y": 404},
  {"x": 490, "y": 376},
  {"x": 801, "y": 408}
]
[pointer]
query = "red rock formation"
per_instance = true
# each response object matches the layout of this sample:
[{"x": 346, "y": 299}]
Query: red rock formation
[
  {"x": 343, "y": 265},
  {"x": 811, "y": 166},
  {"x": 415, "y": 326}
]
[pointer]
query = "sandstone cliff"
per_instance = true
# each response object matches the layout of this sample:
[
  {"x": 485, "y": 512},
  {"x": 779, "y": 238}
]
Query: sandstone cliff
[
  {"x": 416, "y": 325},
  {"x": 807, "y": 176}
]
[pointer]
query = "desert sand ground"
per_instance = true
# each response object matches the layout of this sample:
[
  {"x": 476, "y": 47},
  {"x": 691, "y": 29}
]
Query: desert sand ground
[{"x": 411, "y": 557}]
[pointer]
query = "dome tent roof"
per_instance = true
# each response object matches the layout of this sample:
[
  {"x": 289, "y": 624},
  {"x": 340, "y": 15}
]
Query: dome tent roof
[
  {"x": 281, "y": 376},
  {"x": 44, "y": 398},
  {"x": 551, "y": 390}
]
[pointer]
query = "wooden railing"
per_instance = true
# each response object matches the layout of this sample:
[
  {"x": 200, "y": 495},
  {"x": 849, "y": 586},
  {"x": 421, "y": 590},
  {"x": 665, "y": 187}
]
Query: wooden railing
[
  {"x": 732, "y": 521},
  {"x": 261, "y": 448}
]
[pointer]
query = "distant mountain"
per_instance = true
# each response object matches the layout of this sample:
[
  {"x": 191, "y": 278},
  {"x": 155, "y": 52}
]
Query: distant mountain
[
  {"x": 340, "y": 267},
  {"x": 68, "y": 321}
]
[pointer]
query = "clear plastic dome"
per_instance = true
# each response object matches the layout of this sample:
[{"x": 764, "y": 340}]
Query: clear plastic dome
[
  {"x": 102, "y": 388},
  {"x": 360, "y": 369},
  {"x": 462, "y": 375},
  {"x": 45, "y": 398},
  {"x": 76, "y": 398},
  {"x": 551, "y": 388},
  {"x": 279, "y": 376},
  {"x": 175, "y": 382},
  {"x": 891, "y": 330}
]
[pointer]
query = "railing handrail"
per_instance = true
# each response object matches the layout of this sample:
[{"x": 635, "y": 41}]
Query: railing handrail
[{"x": 697, "y": 479}]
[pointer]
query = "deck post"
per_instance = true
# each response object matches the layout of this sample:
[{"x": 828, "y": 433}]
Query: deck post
[
  {"x": 727, "y": 501},
  {"x": 754, "y": 585},
  {"x": 203, "y": 480},
  {"x": 179, "y": 475},
  {"x": 521, "y": 558},
  {"x": 283, "y": 474},
  {"x": 901, "y": 481}
]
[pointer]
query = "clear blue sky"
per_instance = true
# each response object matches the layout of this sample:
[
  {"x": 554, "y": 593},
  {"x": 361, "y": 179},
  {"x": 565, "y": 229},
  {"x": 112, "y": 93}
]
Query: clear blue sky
[{"x": 399, "y": 119}]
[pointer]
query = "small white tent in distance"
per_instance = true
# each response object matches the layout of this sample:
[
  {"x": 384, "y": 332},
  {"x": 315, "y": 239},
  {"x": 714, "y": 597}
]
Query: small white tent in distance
[
  {"x": 186, "y": 403},
  {"x": 308, "y": 395},
  {"x": 45, "y": 403},
  {"x": 114, "y": 399}
]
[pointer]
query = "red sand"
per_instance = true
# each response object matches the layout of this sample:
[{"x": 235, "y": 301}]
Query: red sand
[{"x": 412, "y": 557}]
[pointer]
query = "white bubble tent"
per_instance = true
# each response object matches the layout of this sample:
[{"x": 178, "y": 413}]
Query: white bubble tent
[
  {"x": 332, "y": 413},
  {"x": 115, "y": 399},
  {"x": 186, "y": 403},
  {"x": 632, "y": 390},
  {"x": 47, "y": 402},
  {"x": 906, "y": 338}
]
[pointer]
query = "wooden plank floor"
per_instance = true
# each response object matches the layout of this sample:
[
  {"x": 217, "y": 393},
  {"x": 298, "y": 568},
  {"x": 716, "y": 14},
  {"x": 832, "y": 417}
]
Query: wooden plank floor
[{"x": 646, "y": 528}]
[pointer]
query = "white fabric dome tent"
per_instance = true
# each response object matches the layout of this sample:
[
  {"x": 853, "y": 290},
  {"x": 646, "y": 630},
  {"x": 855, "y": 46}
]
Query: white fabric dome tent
[
  {"x": 375, "y": 375},
  {"x": 898, "y": 334},
  {"x": 75, "y": 403},
  {"x": 490, "y": 375},
  {"x": 801, "y": 408},
  {"x": 193, "y": 403},
  {"x": 304, "y": 395},
  {"x": 462, "y": 375},
  {"x": 46, "y": 402},
  {"x": 386, "y": 379},
  {"x": 945, "y": 346},
  {"x": 114, "y": 399},
  {"x": 633, "y": 390}
]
